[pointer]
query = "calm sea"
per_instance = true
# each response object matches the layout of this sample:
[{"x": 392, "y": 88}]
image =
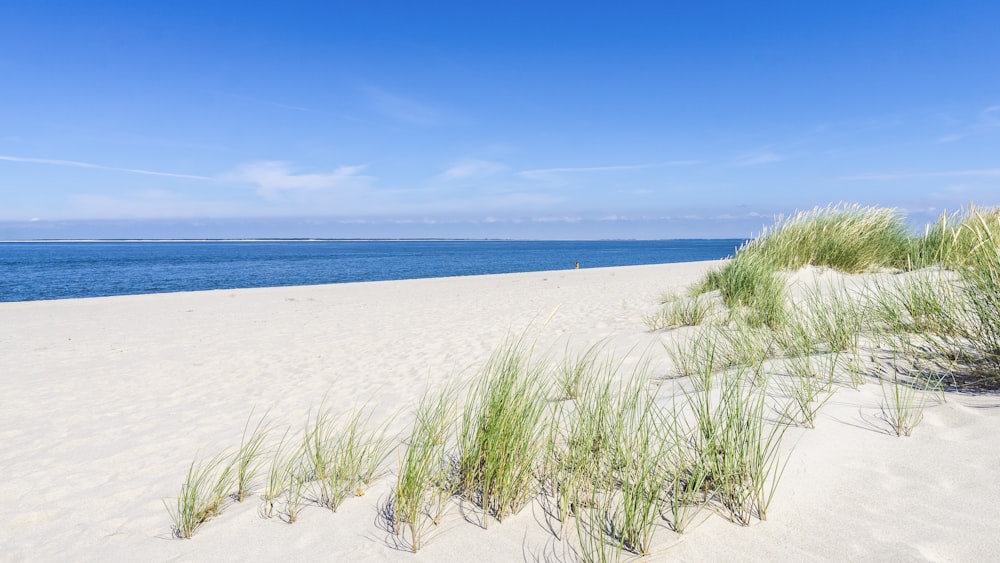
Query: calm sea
[{"x": 58, "y": 270}]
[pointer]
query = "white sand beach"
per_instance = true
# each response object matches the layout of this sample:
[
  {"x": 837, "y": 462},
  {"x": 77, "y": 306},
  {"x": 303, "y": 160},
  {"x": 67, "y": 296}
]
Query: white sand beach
[{"x": 105, "y": 402}]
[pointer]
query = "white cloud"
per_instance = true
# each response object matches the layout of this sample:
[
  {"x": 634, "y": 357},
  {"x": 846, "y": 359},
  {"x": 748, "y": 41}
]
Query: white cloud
[
  {"x": 77, "y": 164},
  {"x": 273, "y": 177},
  {"x": 469, "y": 168}
]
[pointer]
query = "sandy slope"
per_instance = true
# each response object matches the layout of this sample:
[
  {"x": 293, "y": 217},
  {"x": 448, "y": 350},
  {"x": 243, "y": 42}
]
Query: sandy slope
[{"x": 104, "y": 402}]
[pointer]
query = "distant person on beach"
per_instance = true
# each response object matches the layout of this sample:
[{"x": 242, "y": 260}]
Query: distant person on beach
[{"x": 577, "y": 266}]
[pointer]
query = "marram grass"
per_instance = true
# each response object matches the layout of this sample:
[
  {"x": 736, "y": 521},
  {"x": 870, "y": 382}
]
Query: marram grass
[
  {"x": 422, "y": 480},
  {"x": 202, "y": 495},
  {"x": 849, "y": 238},
  {"x": 501, "y": 433}
]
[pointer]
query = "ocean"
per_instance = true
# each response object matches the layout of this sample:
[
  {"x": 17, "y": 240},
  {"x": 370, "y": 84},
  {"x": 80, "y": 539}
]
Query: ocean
[{"x": 32, "y": 271}]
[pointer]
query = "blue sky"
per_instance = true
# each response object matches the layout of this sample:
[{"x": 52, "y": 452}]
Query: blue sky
[{"x": 502, "y": 119}]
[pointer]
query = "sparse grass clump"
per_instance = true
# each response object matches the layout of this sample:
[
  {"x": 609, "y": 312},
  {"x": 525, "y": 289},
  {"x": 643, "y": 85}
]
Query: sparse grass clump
[
  {"x": 683, "y": 311},
  {"x": 277, "y": 477},
  {"x": 343, "y": 459},
  {"x": 610, "y": 463},
  {"x": 338, "y": 460},
  {"x": 808, "y": 385},
  {"x": 733, "y": 452},
  {"x": 421, "y": 484},
  {"x": 752, "y": 288},
  {"x": 575, "y": 371},
  {"x": 501, "y": 435},
  {"x": 248, "y": 458},
  {"x": 905, "y": 394},
  {"x": 204, "y": 491}
]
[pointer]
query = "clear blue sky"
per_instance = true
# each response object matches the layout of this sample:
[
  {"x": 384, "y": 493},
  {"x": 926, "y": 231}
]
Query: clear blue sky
[{"x": 475, "y": 119}]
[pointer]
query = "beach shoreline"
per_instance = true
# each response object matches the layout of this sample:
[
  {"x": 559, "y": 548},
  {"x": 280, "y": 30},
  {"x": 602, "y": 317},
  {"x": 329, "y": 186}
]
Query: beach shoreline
[{"x": 108, "y": 400}]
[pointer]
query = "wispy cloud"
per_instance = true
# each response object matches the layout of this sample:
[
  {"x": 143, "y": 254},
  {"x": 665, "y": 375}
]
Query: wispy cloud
[
  {"x": 282, "y": 105},
  {"x": 982, "y": 172},
  {"x": 401, "y": 108},
  {"x": 273, "y": 177},
  {"x": 759, "y": 157},
  {"x": 470, "y": 168},
  {"x": 950, "y": 138},
  {"x": 990, "y": 117},
  {"x": 539, "y": 173},
  {"x": 92, "y": 166}
]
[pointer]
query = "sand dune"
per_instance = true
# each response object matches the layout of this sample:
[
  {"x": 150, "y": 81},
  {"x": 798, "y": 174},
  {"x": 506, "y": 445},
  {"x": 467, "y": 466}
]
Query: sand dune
[{"x": 105, "y": 402}]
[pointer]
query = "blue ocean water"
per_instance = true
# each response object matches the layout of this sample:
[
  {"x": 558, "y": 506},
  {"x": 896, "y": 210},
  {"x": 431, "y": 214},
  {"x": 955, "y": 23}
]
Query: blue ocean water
[{"x": 58, "y": 270}]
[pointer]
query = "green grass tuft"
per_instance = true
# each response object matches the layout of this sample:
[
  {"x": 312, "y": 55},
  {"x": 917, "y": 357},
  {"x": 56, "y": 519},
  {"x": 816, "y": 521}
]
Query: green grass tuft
[
  {"x": 502, "y": 430},
  {"x": 421, "y": 484}
]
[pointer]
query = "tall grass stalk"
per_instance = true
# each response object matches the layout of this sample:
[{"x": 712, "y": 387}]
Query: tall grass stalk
[
  {"x": 687, "y": 476},
  {"x": 297, "y": 478},
  {"x": 736, "y": 448},
  {"x": 595, "y": 529},
  {"x": 808, "y": 386},
  {"x": 833, "y": 317},
  {"x": 202, "y": 495},
  {"x": 611, "y": 464},
  {"x": 421, "y": 486},
  {"x": 641, "y": 464},
  {"x": 575, "y": 370},
  {"x": 581, "y": 442},
  {"x": 501, "y": 434},
  {"x": 683, "y": 311},
  {"x": 248, "y": 457},
  {"x": 927, "y": 302},
  {"x": 343, "y": 459},
  {"x": 903, "y": 400},
  {"x": 277, "y": 479},
  {"x": 953, "y": 239}
]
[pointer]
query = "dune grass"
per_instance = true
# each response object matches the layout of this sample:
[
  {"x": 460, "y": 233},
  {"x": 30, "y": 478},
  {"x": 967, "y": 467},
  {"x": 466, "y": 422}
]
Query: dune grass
[
  {"x": 343, "y": 459},
  {"x": 848, "y": 238},
  {"x": 681, "y": 311},
  {"x": 808, "y": 385},
  {"x": 735, "y": 451},
  {"x": 276, "y": 477},
  {"x": 905, "y": 392},
  {"x": 641, "y": 456},
  {"x": 954, "y": 237},
  {"x": 981, "y": 276},
  {"x": 204, "y": 491},
  {"x": 611, "y": 459},
  {"x": 501, "y": 432},
  {"x": 580, "y": 444},
  {"x": 249, "y": 457},
  {"x": 575, "y": 371},
  {"x": 422, "y": 480},
  {"x": 751, "y": 287},
  {"x": 297, "y": 477}
]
